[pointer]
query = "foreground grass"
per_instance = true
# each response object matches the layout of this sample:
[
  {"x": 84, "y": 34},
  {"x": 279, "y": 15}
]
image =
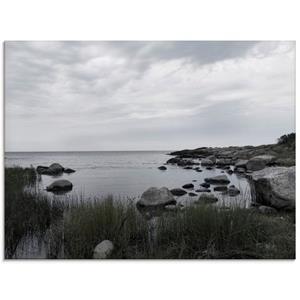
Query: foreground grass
[{"x": 73, "y": 229}]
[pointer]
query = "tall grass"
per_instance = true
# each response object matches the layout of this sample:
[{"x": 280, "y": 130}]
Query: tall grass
[{"x": 73, "y": 227}]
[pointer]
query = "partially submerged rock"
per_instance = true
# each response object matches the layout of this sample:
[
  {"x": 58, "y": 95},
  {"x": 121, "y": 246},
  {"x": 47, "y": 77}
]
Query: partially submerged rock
[
  {"x": 274, "y": 186},
  {"x": 163, "y": 168},
  {"x": 69, "y": 170},
  {"x": 103, "y": 250},
  {"x": 192, "y": 194},
  {"x": 54, "y": 169},
  {"x": 220, "y": 179},
  {"x": 154, "y": 197},
  {"x": 178, "y": 192},
  {"x": 60, "y": 185},
  {"x": 203, "y": 190},
  {"x": 188, "y": 186},
  {"x": 221, "y": 188}
]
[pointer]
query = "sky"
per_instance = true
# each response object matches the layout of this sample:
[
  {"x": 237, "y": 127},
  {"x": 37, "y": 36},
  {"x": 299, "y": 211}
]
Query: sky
[{"x": 89, "y": 96}]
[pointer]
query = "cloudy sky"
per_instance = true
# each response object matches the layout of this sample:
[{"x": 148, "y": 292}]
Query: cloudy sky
[{"x": 147, "y": 95}]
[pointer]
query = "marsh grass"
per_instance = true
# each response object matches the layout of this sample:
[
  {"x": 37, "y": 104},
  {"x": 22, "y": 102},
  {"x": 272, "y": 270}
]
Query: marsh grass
[{"x": 73, "y": 227}]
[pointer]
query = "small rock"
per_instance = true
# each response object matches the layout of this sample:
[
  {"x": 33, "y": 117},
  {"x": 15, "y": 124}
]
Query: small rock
[
  {"x": 194, "y": 180},
  {"x": 220, "y": 179},
  {"x": 233, "y": 191},
  {"x": 178, "y": 192},
  {"x": 209, "y": 168},
  {"x": 60, "y": 185},
  {"x": 205, "y": 184},
  {"x": 192, "y": 194},
  {"x": 163, "y": 168},
  {"x": 188, "y": 186},
  {"x": 69, "y": 170},
  {"x": 221, "y": 188},
  {"x": 103, "y": 250}
]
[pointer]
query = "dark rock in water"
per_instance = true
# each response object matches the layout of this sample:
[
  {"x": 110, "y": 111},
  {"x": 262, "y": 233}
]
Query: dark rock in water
[
  {"x": 69, "y": 170},
  {"x": 178, "y": 192},
  {"x": 220, "y": 179},
  {"x": 192, "y": 194},
  {"x": 198, "y": 170},
  {"x": 229, "y": 172},
  {"x": 221, "y": 188},
  {"x": 203, "y": 190},
  {"x": 222, "y": 171},
  {"x": 54, "y": 169},
  {"x": 163, "y": 168},
  {"x": 209, "y": 168},
  {"x": 154, "y": 197},
  {"x": 60, "y": 185},
  {"x": 194, "y": 180},
  {"x": 206, "y": 199},
  {"x": 188, "y": 186},
  {"x": 188, "y": 168},
  {"x": 205, "y": 184}
]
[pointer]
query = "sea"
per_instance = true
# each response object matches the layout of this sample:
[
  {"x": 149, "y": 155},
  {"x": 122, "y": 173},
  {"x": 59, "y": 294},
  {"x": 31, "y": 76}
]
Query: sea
[{"x": 122, "y": 174}]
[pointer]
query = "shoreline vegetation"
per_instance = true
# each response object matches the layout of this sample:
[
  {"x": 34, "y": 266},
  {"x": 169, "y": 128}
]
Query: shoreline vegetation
[{"x": 73, "y": 228}]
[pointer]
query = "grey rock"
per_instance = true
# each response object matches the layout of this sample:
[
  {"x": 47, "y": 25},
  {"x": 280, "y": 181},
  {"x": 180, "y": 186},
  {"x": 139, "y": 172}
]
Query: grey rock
[
  {"x": 154, "y": 197},
  {"x": 192, "y": 194},
  {"x": 259, "y": 162},
  {"x": 220, "y": 179},
  {"x": 221, "y": 188},
  {"x": 69, "y": 170},
  {"x": 206, "y": 162},
  {"x": 188, "y": 186},
  {"x": 178, "y": 192},
  {"x": 103, "y": 250},
  {"x": 241, "y": 163},
  {"x": 60, "y": 185},
  {"x": 205, "y": 184},
  {"x": 274, "y": 186},
  {"x": 162, "y": 168}
]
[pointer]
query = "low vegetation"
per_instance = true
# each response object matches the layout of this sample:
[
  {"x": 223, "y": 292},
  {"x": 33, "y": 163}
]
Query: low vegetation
[{"x": 72, "y": 228}]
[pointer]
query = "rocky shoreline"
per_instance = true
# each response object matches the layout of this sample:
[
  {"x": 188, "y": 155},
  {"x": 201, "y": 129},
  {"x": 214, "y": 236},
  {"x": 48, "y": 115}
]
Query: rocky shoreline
[{"x": 270, "y": 170}]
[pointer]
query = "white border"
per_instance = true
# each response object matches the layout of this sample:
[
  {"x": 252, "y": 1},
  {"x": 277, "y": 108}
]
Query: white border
[{"x": 147, "y": 20}]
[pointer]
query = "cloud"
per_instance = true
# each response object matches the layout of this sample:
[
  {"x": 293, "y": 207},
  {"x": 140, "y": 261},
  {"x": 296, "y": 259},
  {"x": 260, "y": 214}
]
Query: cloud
[{"x": 147, "y": 95}]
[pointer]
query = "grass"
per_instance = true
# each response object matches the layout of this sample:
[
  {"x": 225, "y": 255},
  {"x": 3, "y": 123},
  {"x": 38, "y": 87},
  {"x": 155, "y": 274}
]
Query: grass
[{"x": 72, "y": 228}]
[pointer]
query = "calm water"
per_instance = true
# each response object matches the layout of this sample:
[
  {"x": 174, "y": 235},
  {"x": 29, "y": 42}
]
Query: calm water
[{"x": 121, "y": 174}]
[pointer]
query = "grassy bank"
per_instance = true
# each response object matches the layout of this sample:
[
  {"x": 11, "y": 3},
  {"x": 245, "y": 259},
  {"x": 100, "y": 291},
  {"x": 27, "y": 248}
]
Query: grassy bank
[{"x": 72, "y": 228}]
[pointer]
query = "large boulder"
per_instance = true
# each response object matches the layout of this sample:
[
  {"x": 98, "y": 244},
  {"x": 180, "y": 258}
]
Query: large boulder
[
  {"x": 60, "y": 185},
  {"x": 220, "y": 179},
  {"x": 103, "y": 250},
  {"x": 154, "y": 197},
  {"x": 274, "y": 186},
  {"x": 54, "y": 169},
  {"x": 241, "y": 163},
  {"x": 257, "y": 163}
]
